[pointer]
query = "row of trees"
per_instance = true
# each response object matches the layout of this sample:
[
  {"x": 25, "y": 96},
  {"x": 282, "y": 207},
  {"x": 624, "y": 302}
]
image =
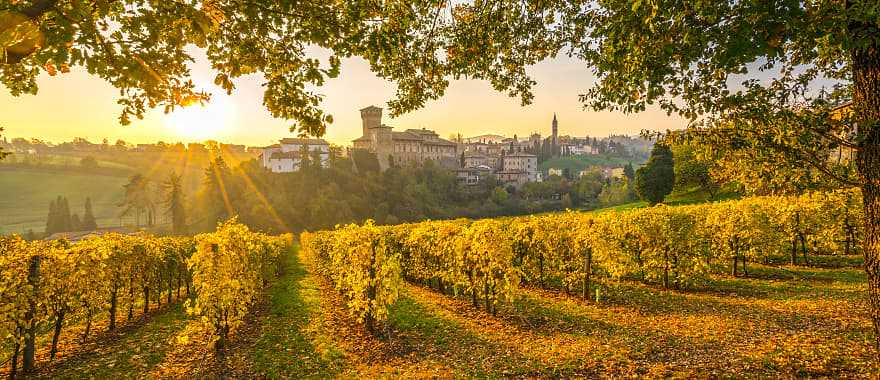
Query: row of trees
[
  {"x": 488, "y": 260},
  {"x": 61, "y": 220}
]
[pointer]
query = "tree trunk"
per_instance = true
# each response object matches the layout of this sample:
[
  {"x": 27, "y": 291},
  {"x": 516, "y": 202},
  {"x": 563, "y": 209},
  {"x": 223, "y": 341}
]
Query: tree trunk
[
  {"x": 866, "y": 103},
  {"x": 735, "y": 263},
  {"x": 371, "y": 291},
  {"x": 541, "y": 270},
  {"x": 588, "y": 268},
  {"x": 88, "y": 328},
  {"x": 666, "y": 268},
  {"x": 675, "y": 282},
  {"x": 494, "y": 304},
  {"x": 30, "y": 334},
  {"x": 794, "y": 250},
  {"x": 473, "y": 288},
  {"x": 14, "y": 359},
  {"x": 130, "y": 300},
  {"x": 146, "y": 300},
  {"x": 113, "y": 305},
  {"x": 804, "y": 250},
  {"x": 59, "y": 320}
]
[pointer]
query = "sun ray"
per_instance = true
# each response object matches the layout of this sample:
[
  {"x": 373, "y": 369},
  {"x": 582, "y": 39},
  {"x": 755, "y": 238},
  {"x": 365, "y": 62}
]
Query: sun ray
[
  {"x": 229, "y": 157},
  {"x": 229, "y": 210},
  {"x": 262, "y": 198}
]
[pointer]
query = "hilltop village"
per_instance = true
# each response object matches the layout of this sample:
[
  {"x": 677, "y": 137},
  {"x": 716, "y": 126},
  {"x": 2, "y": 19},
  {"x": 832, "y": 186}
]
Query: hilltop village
[{"x": 512, "y": 160}]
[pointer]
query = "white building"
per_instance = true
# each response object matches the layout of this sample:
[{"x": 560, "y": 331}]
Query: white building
[
  {"x": 582, "y": 149},
  {"x": 286, "y": 156}
]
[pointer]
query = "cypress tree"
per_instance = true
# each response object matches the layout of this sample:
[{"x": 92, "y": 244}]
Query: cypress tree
[
  {"x": 88, "y": 221},
  {"x": 51, "y": 221},
  {"x": 64, "y": 215},
  {"x": 629, "y": 172},
  {"x": 75, "y": 224}
]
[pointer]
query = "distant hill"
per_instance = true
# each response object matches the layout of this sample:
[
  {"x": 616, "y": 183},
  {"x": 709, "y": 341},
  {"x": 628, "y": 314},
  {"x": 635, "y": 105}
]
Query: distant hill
[{"x": 28, "y": 191}]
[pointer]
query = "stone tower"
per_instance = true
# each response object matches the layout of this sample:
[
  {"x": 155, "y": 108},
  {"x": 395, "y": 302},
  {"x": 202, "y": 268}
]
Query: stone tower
[
  {"x": 554, "y": 141},
  {"x": 383, "y": 145},
  {"x": 372, "y": 118}
]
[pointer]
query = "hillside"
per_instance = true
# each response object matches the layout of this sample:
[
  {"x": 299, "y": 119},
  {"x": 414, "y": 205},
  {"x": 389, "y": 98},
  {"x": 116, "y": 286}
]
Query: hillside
[
  {"x": 28, "y": 192},
  {"x": 32, "y": 181}
]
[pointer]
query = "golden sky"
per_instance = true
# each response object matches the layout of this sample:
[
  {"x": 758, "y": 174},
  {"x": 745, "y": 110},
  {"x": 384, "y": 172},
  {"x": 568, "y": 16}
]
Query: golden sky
[{"x": 79, "y": 105}]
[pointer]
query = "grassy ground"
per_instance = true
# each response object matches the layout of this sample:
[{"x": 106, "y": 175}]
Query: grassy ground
[
  {"x": 778, "y": 322},
  {"x": 29, "y": 191},
  {"x": 688, "y": 197},
  {"x": 134, "y": 349},
  {"x": 577, "y": 163}
]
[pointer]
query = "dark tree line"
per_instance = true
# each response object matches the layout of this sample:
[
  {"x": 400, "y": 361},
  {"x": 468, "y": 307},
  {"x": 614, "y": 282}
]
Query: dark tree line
[{"x": 61, "y": 220}]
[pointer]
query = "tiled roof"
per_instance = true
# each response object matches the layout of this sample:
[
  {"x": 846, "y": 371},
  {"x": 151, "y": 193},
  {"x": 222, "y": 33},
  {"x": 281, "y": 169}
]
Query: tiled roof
[
  {"x": 408, "y": 136},
  {"x": 441, "y": 142},
  {"x": 521, "y": 155},
  {"x": 300, "y": 141}
]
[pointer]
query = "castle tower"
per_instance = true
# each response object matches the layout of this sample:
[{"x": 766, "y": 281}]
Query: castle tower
[
  {"x": 383, "y": 145},
  {"x": 371, "y": 118}
]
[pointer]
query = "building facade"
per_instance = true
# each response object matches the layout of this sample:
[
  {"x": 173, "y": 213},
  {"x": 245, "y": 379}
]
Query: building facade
[
  {"x": 286, "y": 156},
  {"x": 524, "y": 163}
]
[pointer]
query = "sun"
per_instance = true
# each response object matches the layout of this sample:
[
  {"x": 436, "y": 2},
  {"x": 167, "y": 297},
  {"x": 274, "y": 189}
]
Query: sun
[{"x": 199, "y": 122}]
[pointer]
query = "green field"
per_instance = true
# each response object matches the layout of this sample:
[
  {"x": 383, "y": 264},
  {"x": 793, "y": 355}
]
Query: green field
[
  {"x": 577, "y": 163},
  {"x": 26, "y": 194}
]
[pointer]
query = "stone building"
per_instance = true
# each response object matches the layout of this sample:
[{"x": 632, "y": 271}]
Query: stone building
[
  {"x": 524, "y": 163},
  {"x": 401, "y": 148}
]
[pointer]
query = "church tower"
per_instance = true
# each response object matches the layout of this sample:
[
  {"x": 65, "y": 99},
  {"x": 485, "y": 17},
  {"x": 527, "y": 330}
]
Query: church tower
[{"x": 554, "y": 142}]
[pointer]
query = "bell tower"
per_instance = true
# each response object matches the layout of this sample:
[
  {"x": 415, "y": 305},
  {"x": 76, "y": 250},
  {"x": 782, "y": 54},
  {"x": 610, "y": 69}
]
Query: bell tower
[{"x": 554, "y": 141}]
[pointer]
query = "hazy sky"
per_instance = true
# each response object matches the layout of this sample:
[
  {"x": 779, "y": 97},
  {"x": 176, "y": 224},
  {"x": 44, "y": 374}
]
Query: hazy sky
[{"x": 78, "y": 105}]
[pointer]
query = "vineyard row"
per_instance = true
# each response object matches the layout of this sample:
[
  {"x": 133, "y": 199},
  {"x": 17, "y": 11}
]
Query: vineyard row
[
  {"x": 488, "y": 260},
  {"x": 46, "y": 285}
]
